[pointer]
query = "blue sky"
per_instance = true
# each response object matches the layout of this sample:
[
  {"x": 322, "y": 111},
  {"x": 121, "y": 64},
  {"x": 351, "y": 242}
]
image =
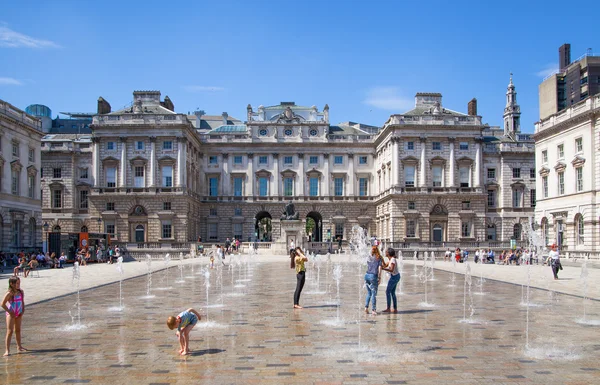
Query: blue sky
[{"x": 366, "y": 59}]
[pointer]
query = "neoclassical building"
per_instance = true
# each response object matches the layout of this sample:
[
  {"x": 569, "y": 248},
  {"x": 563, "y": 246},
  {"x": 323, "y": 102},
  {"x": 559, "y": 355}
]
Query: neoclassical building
[
  {"x": 147, "y": 174},
  {"x": 20, "y": 165}
]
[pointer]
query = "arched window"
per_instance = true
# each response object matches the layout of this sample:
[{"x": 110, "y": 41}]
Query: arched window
[
  {"x": 580, "y": 229},
  {"x": 517, "y": 231}
]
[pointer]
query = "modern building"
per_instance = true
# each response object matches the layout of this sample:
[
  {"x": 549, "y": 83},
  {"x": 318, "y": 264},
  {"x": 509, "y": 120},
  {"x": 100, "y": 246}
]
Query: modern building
[
  {"x": 573, "y": 82},
  {"x": 148, "y": 175},
  {"x": 20, "y": 165}
]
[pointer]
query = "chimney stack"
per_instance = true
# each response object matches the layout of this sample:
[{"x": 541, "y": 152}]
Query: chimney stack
[
  {"x": 564, "y": 56},
  {"x": 103, "y": 106},
  {"x": 225, "y": 116},
  {"x": 472, "y": 107}
]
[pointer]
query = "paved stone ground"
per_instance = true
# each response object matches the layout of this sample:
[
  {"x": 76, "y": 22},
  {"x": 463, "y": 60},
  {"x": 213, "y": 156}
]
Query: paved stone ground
[{"x": 250, "y": 334}]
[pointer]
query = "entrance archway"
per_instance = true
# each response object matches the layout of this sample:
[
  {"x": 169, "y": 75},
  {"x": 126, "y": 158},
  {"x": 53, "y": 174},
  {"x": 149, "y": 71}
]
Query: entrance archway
[
  {"x": 140, "y": 234},
  {"x": 262, "y": 227},
  {"x": 314, "y": 226}
]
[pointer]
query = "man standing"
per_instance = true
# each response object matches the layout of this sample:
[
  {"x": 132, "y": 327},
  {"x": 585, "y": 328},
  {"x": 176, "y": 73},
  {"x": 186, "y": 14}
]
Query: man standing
[
  {"x": 292, "y": 245},
  {"x": 555, "y": 261}
]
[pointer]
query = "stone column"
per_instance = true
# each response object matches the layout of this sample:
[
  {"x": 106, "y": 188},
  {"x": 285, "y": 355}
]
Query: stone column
[
  {"x": 152, "y": 161},
  {"x": 477, "y": 179},
  {"x": 123, "y": 171},
  {"x": 351, "y": 176},
  {"x": 202, "y": 182},
  {"x": 326, "y": 176},
  {"x": 301, "y": 175},
  {"x": 395, "y": 168},
  {"x": 95, "y": 161},
  {"x": 180, "y": 162},
  {"x": 250, "y": 176},
  {"x": 226, "y": 175},
  {"x": 452, "y": 163},
  {"x": 275, "y": 182},
  {"x": 422, "y": 172}
]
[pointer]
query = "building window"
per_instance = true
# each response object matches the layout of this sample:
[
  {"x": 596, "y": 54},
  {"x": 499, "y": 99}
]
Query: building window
[
  {"x": 167, "y": 145},
  {"x": 532, "y": 173},
  {"x": 338, "y": 186},
  {"x": 411, "y": 205},
  {"x": 15, "y": 149},
  {"x": 516, "y": 195},
  {"x": 262, "y": 160},
  {"x": 237, "y": 231},
  {"x": 561, "y": 183},
  {"x": 212, "y": 212},
  {"x": 545, "y": 156},
  {"x": 213, "y": 230},
  {"x": 411, "y": 228},
  {"x": 57, "y": 173},
  {"x": 15, "y": 182},
  {"x": 313, "y": 159},
  {"x": 31, "y": 186},
  {"x": 363, "y": 187},
  {"x": 109, "y": 228},
  {"x": 288, "y": 186},
  {"x": 465, "y": 229},
  {"x": 139, "y": 145},
  {"x": 517, "y": 231},
  {"x": 213, "y": 159},
  {"x": 545, "y": 186},
  {"x": 437, "y": 176},
  {"x": 436, "y": 146},
  {"x": 580, "y": 230},
  {"x": 491, "y": 198},
  {"x": 238, "y": 185},
  {"x": 138, "y": 176},
  {"x": 313, "y": 186},
  {"x": 110, "y": 206},
  {"x": 237, "y": 212},
  {"x": 579, "y": 178},
  {"x": 313, "y": 132},
  {"x": 83, "y": 199},
  {"x": 167, "y": 176},
  {"x": 579, "y": 145},
  {"x": 262, "y": 132},
  {"x": 237, "y": 159},
  {"x": 463, "y": 146},
  {"x": 263, "y": 186},
  {"x": 491, "y": 173},
  {"x": 338, "y": 159},
  {"x": 463, "y": 173},
  {"x": 409, "y": 176},
  {"x": 213, "y": 186},
  {"x": 288, "y": 132},
  {"x": 31, "y": 155},
  {"x": 560, "y": 149},
  {"x": 491, "y": 232},
  {"x": 532, "y": 198},
  {"x": 110, "y": 146},
  {"x": 362, "y": 160},
  {"x": 167, "y": 206},
  {"x": 56, "y": 199},
  {"x": 111, "y": 177},
  {"x": 466, "y": 205},
  {"x": 339, "y": 231},
  {"x": 410, "y": 146},
  {"x": 167, "y": 230},
  {"x": 289, "y": 159},
  {"x": 516, "y": 172},
  {"x": 83, "y": 173}
]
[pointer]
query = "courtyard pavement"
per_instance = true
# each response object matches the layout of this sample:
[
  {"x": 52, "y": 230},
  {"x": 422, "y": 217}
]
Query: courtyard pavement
[{"x": 250, "y": 334}]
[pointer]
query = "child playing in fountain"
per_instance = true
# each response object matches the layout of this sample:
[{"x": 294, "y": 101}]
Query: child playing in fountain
[
  {"x": 14, "y": 305},
  {"x": 184, "y": 323}
]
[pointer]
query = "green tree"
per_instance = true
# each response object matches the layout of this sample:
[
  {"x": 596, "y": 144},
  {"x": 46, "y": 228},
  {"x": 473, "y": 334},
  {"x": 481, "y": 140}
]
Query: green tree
[{"x": 310, "y": 225}]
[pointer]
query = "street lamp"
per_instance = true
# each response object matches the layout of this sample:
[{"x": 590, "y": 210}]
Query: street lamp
[
  {"x": 46, "y": 226},
  {"x": 99, "y": 224}
]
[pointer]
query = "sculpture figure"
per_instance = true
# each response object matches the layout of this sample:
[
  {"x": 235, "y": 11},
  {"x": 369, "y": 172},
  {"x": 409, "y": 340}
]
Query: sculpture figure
[{"x": 290, "y": 213}]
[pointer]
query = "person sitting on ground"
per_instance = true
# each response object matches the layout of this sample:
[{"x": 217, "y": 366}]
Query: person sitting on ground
[{"x": 490, "y": 256}]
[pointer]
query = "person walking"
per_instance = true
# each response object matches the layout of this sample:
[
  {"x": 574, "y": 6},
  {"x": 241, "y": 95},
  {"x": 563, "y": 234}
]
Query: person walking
[
  {"x": 390, "y": 292},
  {"x": 297, "y": 259},
  {"x": 554, "y": 258}
]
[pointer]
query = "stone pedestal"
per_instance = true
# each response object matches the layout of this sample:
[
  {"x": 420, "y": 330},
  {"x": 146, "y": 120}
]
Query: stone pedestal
[{"x": 291, "y": 230}]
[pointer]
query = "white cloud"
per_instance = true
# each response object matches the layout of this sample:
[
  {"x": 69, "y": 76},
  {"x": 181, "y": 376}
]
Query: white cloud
[
  {"x": 388, "y": 98},
  {"x": 13, "y": 39},
  {"x": 549, "y": 69},
  {"x": 192, "y": 88},
  {"x": 10, "y": 82}
]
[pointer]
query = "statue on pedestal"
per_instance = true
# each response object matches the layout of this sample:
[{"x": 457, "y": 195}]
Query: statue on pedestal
[{"x": 290, "y": 213}]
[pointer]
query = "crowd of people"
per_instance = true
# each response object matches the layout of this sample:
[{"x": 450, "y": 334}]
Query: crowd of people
[{"x": 506, "y": 257}]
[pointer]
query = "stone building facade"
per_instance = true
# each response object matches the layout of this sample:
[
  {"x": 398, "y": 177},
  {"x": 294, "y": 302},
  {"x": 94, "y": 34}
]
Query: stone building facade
[
  {"x": 20, "y": 165},
  {"x": 153, "y": 175}
]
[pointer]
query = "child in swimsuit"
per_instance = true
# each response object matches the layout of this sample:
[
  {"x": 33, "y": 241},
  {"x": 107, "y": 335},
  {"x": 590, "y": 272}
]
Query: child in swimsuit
[
  {"x": 184, "y": 323},
  {"x": 14, "y": 305}
]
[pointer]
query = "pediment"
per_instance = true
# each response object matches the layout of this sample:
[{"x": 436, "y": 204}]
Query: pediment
[
  {"x": 314, "y": 171},
  {"x": 166, "y": 158},
  {"x": 437, "y": 160},
  {"x": 138, "y": 159},
  {"x": 464, "y": 159},
  {"x": 518, "y": 183},
  {"x": 110, "y": 159},
  {"x": 263, "y": 172},
  {"x": 560, "y": 166},
  {"x": 288, "y": 171},
  {"x": 544, "y": 171},
  {"x": 83, "y": 184},
  {"x": 409, "y": 159},
  {"x": 578, "y": 160}
]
